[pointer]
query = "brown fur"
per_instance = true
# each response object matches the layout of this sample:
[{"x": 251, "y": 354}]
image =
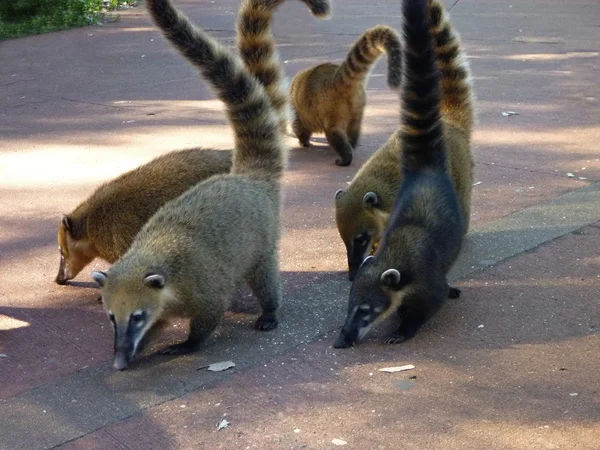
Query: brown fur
[
  {"x": 381, "y": 174},
  {"x": 330, "y": 98},
  {"x": 105, "y": 224}
]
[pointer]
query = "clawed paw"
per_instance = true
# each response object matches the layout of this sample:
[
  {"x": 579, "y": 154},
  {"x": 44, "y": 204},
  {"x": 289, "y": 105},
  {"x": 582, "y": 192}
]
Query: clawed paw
[{"x": 266, "y": 322}]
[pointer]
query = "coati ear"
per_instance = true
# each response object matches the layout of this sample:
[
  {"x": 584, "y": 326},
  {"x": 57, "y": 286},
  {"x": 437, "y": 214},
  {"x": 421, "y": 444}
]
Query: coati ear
[
  {"x": 391, "y": 279},
  {"x": 100, "y": 277},
  {"x": 338, "y": 194},
  {"x": 367, "y": 259},
  {"x": 154, "y": 280},
  {"x": 371, "y": 200},
  {"x": 66, "y": 222}
]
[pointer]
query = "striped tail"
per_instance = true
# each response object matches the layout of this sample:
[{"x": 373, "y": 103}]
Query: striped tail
[
  {"x": 256, "y": 45},
  {"x": 456, "y": 86},
  {"x": 366, "y": 50},
  {"x": 259, "y": 149},
  {"x": 421, "y": 128}
]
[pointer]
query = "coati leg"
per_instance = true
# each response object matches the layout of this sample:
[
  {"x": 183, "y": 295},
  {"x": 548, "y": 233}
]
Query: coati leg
[
  {"x": 413, "y": 312},
  {"x": 354, "y": 131},
  {"x": 302, "y": 133},
  {"x": 339, "y": 142},
  {"x": 264, "y": 282},
  {"x": 201, "y": 327}
]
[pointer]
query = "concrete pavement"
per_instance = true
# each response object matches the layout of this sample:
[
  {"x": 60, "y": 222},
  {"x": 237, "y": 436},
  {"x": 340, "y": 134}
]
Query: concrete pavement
[{"x": 82, "y": 106}]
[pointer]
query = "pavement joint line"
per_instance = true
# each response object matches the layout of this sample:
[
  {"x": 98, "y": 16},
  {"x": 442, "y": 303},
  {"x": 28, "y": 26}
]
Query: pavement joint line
[
  {"x": 558, "y": 174},
  {"x": 95, "y": 397},
  {"x": 453, "y": 5}
]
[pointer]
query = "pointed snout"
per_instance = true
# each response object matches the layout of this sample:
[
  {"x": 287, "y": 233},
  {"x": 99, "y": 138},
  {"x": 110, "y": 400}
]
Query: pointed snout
[
  {"x": 121, "y": 361},
  {"x": 61, "y": 277},
  {"x": 346, "y": 339}
]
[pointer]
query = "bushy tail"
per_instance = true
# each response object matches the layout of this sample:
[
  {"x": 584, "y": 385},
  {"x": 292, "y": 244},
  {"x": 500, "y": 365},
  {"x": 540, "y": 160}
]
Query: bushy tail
[
  {"x": 258, "y": 144},
  {"x": 365, "y": 52},
  {"x": 421, "y": 127},
  {"x": 456, "y": 88},
  {"x": 256, "y": 45}
]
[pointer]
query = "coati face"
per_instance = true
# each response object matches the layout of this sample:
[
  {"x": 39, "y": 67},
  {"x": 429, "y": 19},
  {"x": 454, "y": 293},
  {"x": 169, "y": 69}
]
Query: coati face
[
  {"x": 375, "y": 294},
  {"x": 75, "y": 254},
  {"x": 360, "y": 225},
  {"x": 134, "y": 306}
]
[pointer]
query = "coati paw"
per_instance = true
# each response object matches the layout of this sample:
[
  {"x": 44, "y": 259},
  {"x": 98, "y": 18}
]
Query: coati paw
[
  {"x": 395, "y": 339},
  {"x": 304, "y": 144},
  {"x": 343, "y": 162},
  {"x": 179, "y": 349},
  {"x": 266, "y": 322},
  {"x": 453, "y": 292}
]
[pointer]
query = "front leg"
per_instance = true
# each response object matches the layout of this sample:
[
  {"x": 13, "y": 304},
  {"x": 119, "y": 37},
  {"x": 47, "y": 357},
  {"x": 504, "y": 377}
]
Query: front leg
[
  {"x": 201, "y": 328},
  {"x": 338, "y": 140}
]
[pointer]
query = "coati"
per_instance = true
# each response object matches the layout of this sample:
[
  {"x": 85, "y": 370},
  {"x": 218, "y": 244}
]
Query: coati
[
  {"x": 331, "y": 97},
  {"x": 256, "y": 46},
  {"x": 188, "y": 258},
  {"x": 407, "y": 273},
  {"x": 362, "y": 210},
  {"x": 104, "y": 225}
]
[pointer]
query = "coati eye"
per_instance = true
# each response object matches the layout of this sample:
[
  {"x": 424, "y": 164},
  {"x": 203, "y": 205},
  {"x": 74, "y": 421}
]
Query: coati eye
[{"x": 137, "y": 317}]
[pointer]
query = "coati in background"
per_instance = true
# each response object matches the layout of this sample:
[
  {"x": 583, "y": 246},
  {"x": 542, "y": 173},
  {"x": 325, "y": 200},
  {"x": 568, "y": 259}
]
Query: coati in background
[
  {"x": 424, "y": 235},
  {"x": 362, "y": 210},
  {"x": 331, "y": 98},
  {"x": 188, "y": 258},
  {"x": 256, "y": 46},
  {"x": 105, "y": 224}
]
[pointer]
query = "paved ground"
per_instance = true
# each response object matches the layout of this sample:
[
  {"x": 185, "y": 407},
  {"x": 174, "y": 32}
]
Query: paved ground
[{"x": 512, "y": 365}]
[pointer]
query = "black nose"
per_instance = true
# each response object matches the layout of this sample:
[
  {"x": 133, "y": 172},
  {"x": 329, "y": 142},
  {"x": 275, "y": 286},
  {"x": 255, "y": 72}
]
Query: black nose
[{"x": 343, "y": 341}]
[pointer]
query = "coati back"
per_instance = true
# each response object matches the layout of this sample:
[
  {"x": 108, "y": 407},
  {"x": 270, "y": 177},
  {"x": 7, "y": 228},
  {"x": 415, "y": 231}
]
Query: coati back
[
  {"x": 362, "y": 210},
  {"x": 105, "y": 224},
  {"x": 188, "y": 258},
  {"x": 424, "y": 235},
  {"x": 331, "y": 97},
  {"x": 257, "y": 48}
]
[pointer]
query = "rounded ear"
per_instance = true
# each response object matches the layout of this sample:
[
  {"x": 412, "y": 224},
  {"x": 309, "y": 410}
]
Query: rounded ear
[
  {"x": 154, "y": 280},
  {"x": 368, "y": 258},
  {"x": 66, "y": 222},
  {"x": 371, "y": 200},
  {"x": 338, "y": 194},
  {"x": 390, "y": 278},
  {"x": 100, "y": 277}
]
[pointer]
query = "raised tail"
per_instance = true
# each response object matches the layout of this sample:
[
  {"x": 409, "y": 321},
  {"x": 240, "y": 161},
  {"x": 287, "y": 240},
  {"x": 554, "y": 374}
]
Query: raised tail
[
  {"x": 421, "y": 128},
  {"x": 256, "y": 45},
  {"x": 456, "y": 87},
  {"x": 258, "y": 144},
  {"x": 365, "y": 52}
]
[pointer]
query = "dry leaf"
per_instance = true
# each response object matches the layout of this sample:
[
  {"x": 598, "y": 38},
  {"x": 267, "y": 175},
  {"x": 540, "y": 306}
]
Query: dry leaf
[
  {"x": 220, "y": 366},
  {"x": 338, "y": 442},
  {"x": 397, "y": 369},
  {"x": 222, "y": 424}
]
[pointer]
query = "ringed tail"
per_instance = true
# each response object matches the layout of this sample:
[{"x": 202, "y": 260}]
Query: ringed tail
[
  {"x": 258, "y": 143},
  {"x": 366, "y": 50},
  {"x": 456, "y": 85},
  {"x": 256, "y": 46},
  {"x": 421, "y": 128}
]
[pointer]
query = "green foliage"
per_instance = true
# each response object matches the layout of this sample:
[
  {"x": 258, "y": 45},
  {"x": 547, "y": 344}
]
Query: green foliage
[{"x": 24, "y": 17}]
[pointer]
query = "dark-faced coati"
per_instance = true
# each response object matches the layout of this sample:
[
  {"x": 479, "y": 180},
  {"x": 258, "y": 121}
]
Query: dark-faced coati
[
  {"x": 104, "y": 225},
  {"x": 188, "y": 258},
  {"x": 257, "y": 48},
  {"x": 362, "y": 210},
  {"x": 330, "y": 98},
  {"x": 424, "y": 235}
]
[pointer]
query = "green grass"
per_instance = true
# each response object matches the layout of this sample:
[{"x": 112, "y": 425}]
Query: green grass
[{"x": 20, "y": 18}]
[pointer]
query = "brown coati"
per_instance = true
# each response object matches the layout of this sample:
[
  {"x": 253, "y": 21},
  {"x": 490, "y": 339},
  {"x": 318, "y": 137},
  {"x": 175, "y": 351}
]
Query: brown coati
[
  {"x": 330, "y": 98},
  {"x": 362, "y": 210},
  {"x": 188, "y": 258},
  {"x": 257, "y": 48},
  {"x": 104, "y": 225},
  {"x": 424, "y": 235}
]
